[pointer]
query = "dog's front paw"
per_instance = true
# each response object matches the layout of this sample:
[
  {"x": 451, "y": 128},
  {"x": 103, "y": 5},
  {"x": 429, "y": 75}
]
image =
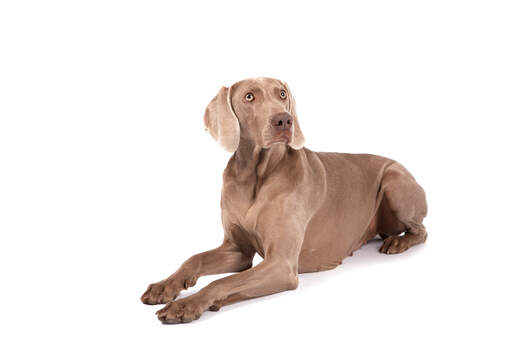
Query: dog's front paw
[
  {"x": 160, "y": 293},
  {"x": 166, "y": 291},
  {"x": 181, "y": 311}
]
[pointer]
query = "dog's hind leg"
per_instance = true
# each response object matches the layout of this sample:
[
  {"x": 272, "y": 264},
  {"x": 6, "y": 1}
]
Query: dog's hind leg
[{"x": 403, "y": 208}]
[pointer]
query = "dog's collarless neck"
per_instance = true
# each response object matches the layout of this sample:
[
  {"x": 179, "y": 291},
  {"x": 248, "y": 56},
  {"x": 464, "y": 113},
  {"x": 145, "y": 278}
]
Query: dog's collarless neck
[{"x": 250, "y": 159}]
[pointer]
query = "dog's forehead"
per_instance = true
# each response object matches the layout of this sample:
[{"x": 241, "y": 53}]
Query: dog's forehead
[{"x": 262, "y": 82}]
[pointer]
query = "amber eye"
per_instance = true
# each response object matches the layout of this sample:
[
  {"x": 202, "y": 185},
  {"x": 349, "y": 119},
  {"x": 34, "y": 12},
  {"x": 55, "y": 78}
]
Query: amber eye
[
  {"x": 249, "y": 97},
  {"x": 283, "y": 94}
]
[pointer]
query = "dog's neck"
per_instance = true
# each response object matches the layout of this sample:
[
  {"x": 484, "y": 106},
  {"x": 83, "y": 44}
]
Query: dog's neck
[{"x": 251, "y": 159}]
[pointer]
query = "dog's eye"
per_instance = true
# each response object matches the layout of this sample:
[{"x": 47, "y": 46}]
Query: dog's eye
[
  {"x": 249, "y": 97},
  {"x": 283, "y": 94}
]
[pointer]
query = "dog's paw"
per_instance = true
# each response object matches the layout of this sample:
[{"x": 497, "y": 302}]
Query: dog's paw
[
  {"x": 181, "y": 311},
  {"x": 166, "y": 291},
  {"x": 394, "y": 244},
  {"x": 160, "y": 293}
]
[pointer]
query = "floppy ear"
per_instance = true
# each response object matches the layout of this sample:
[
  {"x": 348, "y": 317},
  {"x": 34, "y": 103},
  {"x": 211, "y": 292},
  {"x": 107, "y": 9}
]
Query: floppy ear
[
  {"x": 298, "y": 140},
  {"x": 221, "y": 122}
]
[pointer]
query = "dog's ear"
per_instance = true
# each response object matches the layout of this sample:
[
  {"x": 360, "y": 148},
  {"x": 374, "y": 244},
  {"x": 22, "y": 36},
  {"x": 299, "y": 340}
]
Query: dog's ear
[
  {"x": 298, "y": 140},
  {"x": 221, "y": 122}
]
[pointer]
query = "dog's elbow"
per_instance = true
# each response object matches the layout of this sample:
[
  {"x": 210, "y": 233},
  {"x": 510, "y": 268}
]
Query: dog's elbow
[
  {"x": 287, "y": 276},
  {"x": 293, "y": 282}
]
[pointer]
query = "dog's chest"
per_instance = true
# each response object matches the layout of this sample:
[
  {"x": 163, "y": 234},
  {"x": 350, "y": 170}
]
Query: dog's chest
[
  {"x": 239, "y": 201},
  {"x": 244, "y": 203},
  {"x": 240, "y": 211}
]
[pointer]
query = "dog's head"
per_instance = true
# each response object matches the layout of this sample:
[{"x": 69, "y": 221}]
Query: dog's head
[{"x": 261, "y": 110}]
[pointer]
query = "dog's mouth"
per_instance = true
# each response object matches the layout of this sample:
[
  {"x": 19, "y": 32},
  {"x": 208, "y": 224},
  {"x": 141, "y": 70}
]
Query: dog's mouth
[{"x": 282, "y": 137}]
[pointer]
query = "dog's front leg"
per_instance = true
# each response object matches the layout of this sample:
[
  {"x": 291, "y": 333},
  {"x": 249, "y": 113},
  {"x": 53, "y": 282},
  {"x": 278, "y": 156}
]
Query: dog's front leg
[
  {"x": 277, "y": 272},
  {"x": 268, "y": 277},
  {"x": 226, "y": 258}
]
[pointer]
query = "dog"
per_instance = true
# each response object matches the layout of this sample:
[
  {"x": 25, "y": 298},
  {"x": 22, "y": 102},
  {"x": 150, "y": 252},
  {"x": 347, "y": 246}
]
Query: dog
[{"x": 301, "y": 211}]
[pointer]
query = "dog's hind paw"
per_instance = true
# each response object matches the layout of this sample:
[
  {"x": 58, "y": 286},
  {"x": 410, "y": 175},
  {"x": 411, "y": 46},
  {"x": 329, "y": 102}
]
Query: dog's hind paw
[{"x": 394, "y": 244}]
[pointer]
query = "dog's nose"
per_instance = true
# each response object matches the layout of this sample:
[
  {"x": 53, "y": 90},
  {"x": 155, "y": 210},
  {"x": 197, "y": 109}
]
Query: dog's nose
[{"x": 282, "y": 121}]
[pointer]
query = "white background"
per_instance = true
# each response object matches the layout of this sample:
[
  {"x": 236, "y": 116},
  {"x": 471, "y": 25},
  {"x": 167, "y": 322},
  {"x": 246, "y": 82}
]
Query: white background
[{"x": 108, "y": 180}]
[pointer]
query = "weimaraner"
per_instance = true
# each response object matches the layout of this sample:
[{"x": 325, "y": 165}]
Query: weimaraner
[{"x": 300, "y": 210}]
